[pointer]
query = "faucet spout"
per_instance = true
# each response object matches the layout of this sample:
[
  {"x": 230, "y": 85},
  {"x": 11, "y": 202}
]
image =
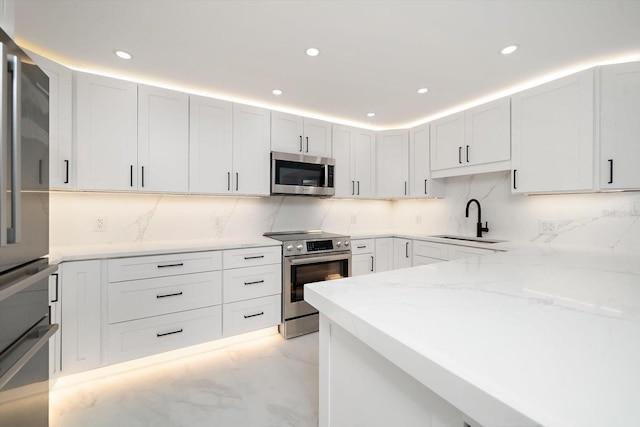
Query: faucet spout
[{"x": 479, "y": 227}]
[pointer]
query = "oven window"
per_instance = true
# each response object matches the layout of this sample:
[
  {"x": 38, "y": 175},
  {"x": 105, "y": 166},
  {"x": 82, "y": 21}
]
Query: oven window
[
  {"x": 316, "y": 272},
  {"x": 296, "y": 173}
]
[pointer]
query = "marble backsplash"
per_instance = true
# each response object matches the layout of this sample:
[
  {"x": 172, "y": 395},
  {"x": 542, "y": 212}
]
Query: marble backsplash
[{"x": 607, "y": 220}]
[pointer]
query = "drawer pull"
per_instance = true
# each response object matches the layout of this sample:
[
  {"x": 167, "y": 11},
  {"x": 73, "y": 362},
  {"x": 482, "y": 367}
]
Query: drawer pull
[
  {"x": 179, "y": 331},
  {"x": 180, "y": 264},
  {"x": 254, "y": 283},
  {"x": 169, "y": 295},
  {"x": 254, "y": 315},
  {"x": 254, "y": 257},
  {"x": 361, "y": 247}
]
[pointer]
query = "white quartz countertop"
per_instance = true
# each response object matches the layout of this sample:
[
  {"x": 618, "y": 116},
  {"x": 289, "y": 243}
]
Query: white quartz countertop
[
  {"x": 544, "y": 336},
  {"x": 116, "y": 250}
]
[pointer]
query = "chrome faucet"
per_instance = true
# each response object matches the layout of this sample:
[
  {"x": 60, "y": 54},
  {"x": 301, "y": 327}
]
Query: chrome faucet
[{"x": 479, "y": 227}]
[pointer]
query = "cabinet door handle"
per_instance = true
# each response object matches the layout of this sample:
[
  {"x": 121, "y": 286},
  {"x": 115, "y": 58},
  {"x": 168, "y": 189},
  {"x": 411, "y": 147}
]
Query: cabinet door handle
[
  {"x": 300, "y": 143},
  {"x": 425, "y": 186},
  {"x": 255, "y": 282},
  {"x": 515, "y": 187},
  {"x": 406, "y": 250},
  {"x": 40, "y": 171},
  {"x": 228, "y": 181},
  {"x": 307, "y": 144},
  {"x": 66, "y": 174},
  {"x": 353, "y": 188},
  {"x": 371, "y": 262},
  {"x": 254, "y": 257},
  {"x": 460, "y": 155},
  {"x": 131, "y": 176},
  {"x": 253, "y": 315},
  {"x": 57, "y": 283},
  {"x": 179, "y": 264},
  {"x": 142, "y": 176},
  {"x": 177, "y": 294},
  {"x": 610, "y": 171},
  {"x": 236, "y": 181},
  {"x": 405, "y": 188},
  {"x": 358, "y": 188},
  {"x": 467, "y": 154},
  {"x": 179, "y": 331}
]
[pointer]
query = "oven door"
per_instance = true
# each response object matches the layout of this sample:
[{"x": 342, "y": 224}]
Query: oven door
[{"x": 301, "y": 270}]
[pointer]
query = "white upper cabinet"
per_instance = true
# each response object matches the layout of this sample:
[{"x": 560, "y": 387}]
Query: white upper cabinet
[
  {"x": 472, "y": 141},
  {"x": 106, "y": 133},
  {"x": 210, "y": 145},
  {"x": 300, "y": 135},
  {"x": 163, "y": 140},
  {"x": 251, "y": 150},
  {"x": 620, "y": 126},
  {"x": 393, "y": 164},
  {"x": 61, "y": 165},
  {"x": 420, "y": 182},
  {"x": 355, "y": 154},
  {"x": 553, "y": 136}
]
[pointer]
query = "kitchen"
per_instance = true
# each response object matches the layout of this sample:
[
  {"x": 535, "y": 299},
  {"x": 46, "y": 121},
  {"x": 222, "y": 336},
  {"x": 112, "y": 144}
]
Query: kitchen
[{"x": 599, "y": 220}]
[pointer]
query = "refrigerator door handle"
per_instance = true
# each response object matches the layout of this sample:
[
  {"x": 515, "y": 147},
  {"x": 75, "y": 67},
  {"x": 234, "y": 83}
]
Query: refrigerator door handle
[
  {"x": 15, "y": 233},
  {"x": 4, "y": 136}
]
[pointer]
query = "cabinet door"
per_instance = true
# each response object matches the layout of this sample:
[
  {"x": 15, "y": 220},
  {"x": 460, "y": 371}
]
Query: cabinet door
[
  {"x": 620, "y": 126},
  {"x": 106, "y": 133},
  {"x": 343, "y": 180},
  {"x": 393, "y": 164},
  {"x": 447, "y": 141},
  {"x": 552, "y": 136},
  {"x": 362, "y": 264},
  {"x": 363, "y": 157},
  {"x": 317, "y": 138},
  {"x": 384, "y": 254},
  {"x": 210, "y": 145},
  {"x": 163, "y": 140},
  {"x": 287, "y": 133},
  {"x": 251, "y": 150},
  {"x": 401, "y": 253},
  {"x": 81, "y": 316},
  {"x": 488, "y": 133},
  {"x": 60, "y": 123},
  {"x": 420, "y": 182}
]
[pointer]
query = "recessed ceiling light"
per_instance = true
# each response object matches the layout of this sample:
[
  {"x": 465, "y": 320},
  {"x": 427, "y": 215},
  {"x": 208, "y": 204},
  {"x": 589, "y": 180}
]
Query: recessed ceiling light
[
  {"x": 122, "y": 54},
  {"x": 423, "y": 90},
  {"x": 312, "y": 51},
  {"x": 509, "y": 49},
  {"x": 276, "y": 92},
  {"x": 371, "y": 114}
]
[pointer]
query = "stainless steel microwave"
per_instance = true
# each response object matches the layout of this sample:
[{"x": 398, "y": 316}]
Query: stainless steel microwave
[{"x": 296, "y": 174}]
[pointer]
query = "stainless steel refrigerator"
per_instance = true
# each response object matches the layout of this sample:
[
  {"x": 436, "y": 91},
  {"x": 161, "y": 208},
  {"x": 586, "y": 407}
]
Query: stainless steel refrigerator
[{"x": 25, "y": 328}]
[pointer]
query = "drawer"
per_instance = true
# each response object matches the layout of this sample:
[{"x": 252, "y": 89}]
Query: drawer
[
  {"x": 362, "y": 246},
  {"x": 137, "y": 299},
  {"x": 245, "y": 316},
  {"x": 145, "y": 267},
  {"x": 252, "y": 282},
  {"x": 250, "y": 257},
  {"x": 431, "y": 250},
  {"x": 139, "y": 338}
]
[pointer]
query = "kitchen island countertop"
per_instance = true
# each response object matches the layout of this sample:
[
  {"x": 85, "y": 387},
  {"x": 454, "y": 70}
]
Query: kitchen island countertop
[{"x": 552, "y": 334}]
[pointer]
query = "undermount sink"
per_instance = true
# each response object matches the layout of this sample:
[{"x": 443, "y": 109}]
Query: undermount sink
[{"x": 468, "y": 239}]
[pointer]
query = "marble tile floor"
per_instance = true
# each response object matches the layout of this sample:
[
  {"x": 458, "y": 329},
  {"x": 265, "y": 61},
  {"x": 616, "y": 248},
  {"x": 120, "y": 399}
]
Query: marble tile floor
[{"x": 266, "y": 382}]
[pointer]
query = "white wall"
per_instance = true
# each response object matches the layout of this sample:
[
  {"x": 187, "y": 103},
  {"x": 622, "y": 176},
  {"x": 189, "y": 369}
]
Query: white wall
[{"x": 608, "y": 220}]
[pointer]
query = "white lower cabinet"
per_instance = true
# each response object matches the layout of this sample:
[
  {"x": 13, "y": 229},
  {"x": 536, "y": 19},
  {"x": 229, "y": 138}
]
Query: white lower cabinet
[
  {"x": 384, "y": 254},
  {"x": 81, "y": 317},
  {"x": 144, "y": 337},
  {"x": 362, "y": 256},
  {"x": 428, "y": 252},
  {"x": 252, "y": 282},
  {"x": 401, "y": 253},
  {"x": 250, "y": 315}
]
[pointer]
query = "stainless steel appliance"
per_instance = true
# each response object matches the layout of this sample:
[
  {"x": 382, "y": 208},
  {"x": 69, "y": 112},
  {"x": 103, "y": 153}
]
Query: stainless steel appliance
[
  {"x": 297, "y": 174},
  {"x": 24, "y": 239},
  {"x": 308, "y": 256}
]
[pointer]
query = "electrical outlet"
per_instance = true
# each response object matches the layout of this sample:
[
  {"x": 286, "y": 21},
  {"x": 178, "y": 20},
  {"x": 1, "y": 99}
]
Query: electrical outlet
[
  {"x": 418, "y": 219},
  {"x": 354, "y": 219},
  {"x": 549, "y": 226},
  {"x": 100, "y": 224}
]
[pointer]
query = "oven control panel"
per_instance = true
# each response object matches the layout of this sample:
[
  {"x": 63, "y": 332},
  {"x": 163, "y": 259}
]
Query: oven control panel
[
  {"x": 316, "y": 246},
  {"x": 319, "y": 245}
]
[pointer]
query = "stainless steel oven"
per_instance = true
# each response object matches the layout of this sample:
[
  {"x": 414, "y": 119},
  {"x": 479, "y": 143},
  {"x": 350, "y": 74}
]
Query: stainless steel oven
[{"x": 308, "y": 257}]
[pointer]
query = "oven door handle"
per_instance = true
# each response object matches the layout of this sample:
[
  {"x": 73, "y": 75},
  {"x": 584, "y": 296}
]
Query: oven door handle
[
  {"x": 319, "y": 258},
  {"x": 42, "y": 333}
]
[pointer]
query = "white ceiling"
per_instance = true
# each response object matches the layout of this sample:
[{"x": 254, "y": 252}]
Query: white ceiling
[{"x": 374, "y": 54}]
